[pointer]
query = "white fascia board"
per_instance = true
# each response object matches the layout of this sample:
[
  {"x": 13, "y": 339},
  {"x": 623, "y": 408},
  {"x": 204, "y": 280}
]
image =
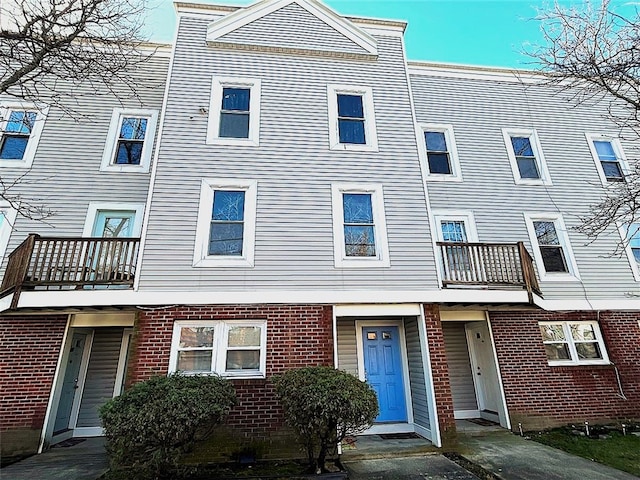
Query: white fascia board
[
  {"x": 475, "y": 72},
  {"x": 242, "y": 17}
]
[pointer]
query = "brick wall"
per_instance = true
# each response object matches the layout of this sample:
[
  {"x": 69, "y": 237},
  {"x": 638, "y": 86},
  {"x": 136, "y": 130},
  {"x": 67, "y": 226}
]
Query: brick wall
[
  {"x": 29, "y": 350},
  {"x": 539, "y": 395},
  {"x": 440, "y": 372},
  {"x": 297, "y": 336}
]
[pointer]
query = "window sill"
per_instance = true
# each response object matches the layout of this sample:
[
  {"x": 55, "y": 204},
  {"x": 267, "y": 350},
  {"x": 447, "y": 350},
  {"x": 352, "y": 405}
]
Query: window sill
[
  {"x": 590, "y": 363},
  {"x": 213, "y": 262},
  {"x": 362, "y": 263},
  {"x": 125, "y": 168},
  {"x": 521, "y": 181},
  {"x": 353, "y": 147},
  {"x": 229, "y": 376},
  {"x": 241, "y": 142},
  {"x": 14, "y": 163},
  {"x": 443, "y": 178},
  {"x": 560, "y": 277}
]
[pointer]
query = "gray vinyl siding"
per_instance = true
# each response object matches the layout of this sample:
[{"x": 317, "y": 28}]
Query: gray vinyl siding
[
  {"x": 65, "y": 175},
  {"x": 460, "y": 374},
  {"x": 416, "y": 374},
  {"x": 478, "y": 109},
  {"x": 347, "y": 347},
  {"x": 101, "y": 375},
  {"x": 294, "y": 170},
  {"x": 296, "y": 28}
]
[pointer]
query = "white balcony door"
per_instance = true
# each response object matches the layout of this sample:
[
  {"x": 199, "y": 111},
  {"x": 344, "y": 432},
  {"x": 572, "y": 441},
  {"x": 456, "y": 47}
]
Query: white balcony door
[{"x": 113, "y": 224}]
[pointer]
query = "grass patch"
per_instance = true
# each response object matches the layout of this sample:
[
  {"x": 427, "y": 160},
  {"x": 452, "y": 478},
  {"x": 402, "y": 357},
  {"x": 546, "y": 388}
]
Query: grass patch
[{"x": 613, "y": 449}]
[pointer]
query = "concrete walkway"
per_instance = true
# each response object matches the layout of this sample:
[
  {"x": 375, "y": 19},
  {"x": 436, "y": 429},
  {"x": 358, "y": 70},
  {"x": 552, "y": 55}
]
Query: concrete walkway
[
  {"x": 84, "y": 460},
  {"x": 510, "y": 457}
]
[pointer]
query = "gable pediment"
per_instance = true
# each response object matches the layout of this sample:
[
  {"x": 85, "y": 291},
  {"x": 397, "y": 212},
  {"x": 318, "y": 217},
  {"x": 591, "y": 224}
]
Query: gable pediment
[{"x": 291, "y": 25}]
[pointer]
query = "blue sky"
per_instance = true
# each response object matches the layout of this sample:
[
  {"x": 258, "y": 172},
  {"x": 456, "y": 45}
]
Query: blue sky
[{"x": 476, "y": 32}]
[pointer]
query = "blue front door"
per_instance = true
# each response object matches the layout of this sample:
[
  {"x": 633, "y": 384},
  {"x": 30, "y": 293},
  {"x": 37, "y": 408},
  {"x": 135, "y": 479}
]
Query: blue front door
[{"x": 383, "y": 370}]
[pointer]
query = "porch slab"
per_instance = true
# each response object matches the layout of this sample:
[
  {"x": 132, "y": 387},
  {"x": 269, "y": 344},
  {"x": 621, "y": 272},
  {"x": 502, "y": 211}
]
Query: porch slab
[
  {"x": 431, "y": 467},
  {"x": 387, "y": 446}
]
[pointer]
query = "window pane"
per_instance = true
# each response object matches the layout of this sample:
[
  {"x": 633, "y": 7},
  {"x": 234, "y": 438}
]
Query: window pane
[
  {"x": 352, "y": 131},
  {"x": 129, "y": 153},
  {"x": 244, "y": 336},
  {"x": 605, "y": 150},
  {"x": 612, "y": 170},
  {"x": 557, "y": 351},
  {"x": 350, "y": 106},
  {"x": 357, "y": 208},
  {"x": 234, "y": 125},
  {"x": 636, "y": 254},
  {"x": 633, "y": 234},
  {"x": 228, "y": 205},
  {"x": 116, "y": 227},
  {"x": 528, "y": 168},
  {"x": 553, "y": 259},
  {"x": 546, "y": 233},
  {"x": 439, "y": 163},
  {"x": 453, "y": 231},
  {"x": 195, "y": 361},
  {"x": 13, "y": 148},
  {"x": 588, "y": 351},
  {"x": 133, "y": 128},
  {"x": 435, "y": 141},
  {"x": 522, "y": 147},
  {"x": 359, "y": 241},
  {"x": 243, "y": 360},
  {"x": 193, "y": 337},
  {"x": 236, "y": 99},
  {"x": 21, "y": 122},
  {"x": 551, "y": 333},
  {"x": 226, "y": 238},
  {"x": 582, "y": 332}
]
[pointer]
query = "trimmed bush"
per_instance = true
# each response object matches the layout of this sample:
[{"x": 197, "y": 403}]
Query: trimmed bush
[
  {"x": 324, "y": 405},
  {"x": 151, "y": 424}
]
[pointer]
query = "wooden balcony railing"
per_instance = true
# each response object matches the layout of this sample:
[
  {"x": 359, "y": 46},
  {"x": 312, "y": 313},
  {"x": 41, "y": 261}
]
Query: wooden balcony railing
[
  {"x": 59, "y": 263},
  {"x": 492, "y": 265}
]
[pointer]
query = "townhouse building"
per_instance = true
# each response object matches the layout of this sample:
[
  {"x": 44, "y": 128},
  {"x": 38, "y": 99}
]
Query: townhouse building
[{"x": 293, "y": 191}]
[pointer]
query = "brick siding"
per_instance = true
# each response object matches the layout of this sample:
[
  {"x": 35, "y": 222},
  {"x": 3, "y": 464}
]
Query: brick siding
[
  {"x": 539, "y": 395},
  {"x": 297, "y": 336},
  {"x": 440, "y": 373}
]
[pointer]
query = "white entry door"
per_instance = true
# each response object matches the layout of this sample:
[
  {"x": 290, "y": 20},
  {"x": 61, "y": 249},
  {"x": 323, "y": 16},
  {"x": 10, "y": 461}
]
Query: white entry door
[{"x": 485, "y": 374}]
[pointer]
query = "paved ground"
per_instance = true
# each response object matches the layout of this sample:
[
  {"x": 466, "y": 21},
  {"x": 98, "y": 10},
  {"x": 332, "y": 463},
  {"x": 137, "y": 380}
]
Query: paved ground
[
  {"x": 86, "y": 460},
  {"x": 511, "y": 457},
  {"x": 507, "y": 456}
]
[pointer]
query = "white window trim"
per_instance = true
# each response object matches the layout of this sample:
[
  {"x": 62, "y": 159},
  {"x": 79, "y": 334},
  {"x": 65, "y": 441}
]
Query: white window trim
[
  {"x": 624, "y": 235},
  {"x": 109, "y": 152},
  {"x": 10, "y": 215},
  {"x": 565, "y": 243},
  {"x": 369, "y": 118},
  {"x": 465, "y": 216},
  {"x": 215, "y": 106},
  {"x": 454, "y": 159},
  {"x": 572, "y": 348},
  {"x": 532, "y": 134},
  {"x": 95, "y": 207},
  {"x": 221, "y": 344},
  {"x": 32, "y": 144},
  {"x": 201, "y": 257},
  {"x": 341, "y": 260},
  {"x": 617, "y": 148}
]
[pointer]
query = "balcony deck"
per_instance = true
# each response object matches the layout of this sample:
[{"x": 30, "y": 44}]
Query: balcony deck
[
  {"x": 62, "y": 263},
  {"x": 488, "y": 265}
]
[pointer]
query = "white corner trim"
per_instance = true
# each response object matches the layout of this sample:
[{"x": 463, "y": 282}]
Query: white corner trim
[{"x": 244, "y": 16}]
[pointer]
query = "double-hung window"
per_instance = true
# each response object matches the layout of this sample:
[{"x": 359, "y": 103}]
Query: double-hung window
[
  {"x": 360, "y": 236},
  {"x": 226, "y": 223},
  {"x": 552, "y": 250},
  {"x": 570, "y": 343},
  {"x": 631, "y": 239},
  {"x": 130, "y": 140},
  {"x": 351, "y": 118},
  {"x": 233, "y": 348},
  {"x": 608, "y": 156},
  {"x": 525, "y": 156},
  {"x": 20, "y": 127},
  {"x": 234, "y": 111},
  {"x": 439, "y": 149}
]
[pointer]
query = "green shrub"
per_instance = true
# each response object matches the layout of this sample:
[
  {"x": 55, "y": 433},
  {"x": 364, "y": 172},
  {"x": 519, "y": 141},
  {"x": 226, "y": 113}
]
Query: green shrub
[
  {"x": 151, "y": 424},
  {"x": 323, "y": 405}
]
